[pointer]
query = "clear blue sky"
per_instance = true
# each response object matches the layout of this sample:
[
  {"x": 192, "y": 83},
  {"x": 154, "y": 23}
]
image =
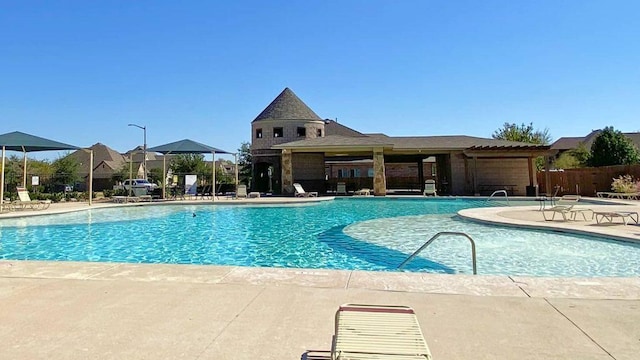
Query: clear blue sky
[{"x": 79, "y": 71}]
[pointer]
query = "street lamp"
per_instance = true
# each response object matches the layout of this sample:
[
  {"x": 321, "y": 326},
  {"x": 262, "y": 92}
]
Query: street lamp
[{"x": 144, "y": 148}]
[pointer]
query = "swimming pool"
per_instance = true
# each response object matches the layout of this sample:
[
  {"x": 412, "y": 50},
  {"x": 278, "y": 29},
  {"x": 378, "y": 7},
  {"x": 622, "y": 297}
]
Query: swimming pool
[{"x": 367, "y": 234}]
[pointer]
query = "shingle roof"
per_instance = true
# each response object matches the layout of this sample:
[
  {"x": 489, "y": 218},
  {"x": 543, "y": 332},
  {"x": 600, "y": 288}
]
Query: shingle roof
[
  {"x": 568, "y": 143},
  {"x": 332, "y": 127},
  {"x": 101, "y": 153},
  {"x": 335, "y": 140},
  {"x": 454, "y": 142},
  {"x": 287, "y": 106}
]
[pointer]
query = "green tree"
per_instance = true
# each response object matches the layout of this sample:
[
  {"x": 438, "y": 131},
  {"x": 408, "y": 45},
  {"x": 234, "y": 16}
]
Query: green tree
[
  {"x": 576, "y": 158},
  {"x": 523, "y": 133},
  {"x": 245, "y": 163},
  {"x": 65, "y": 170},
  {"x": 612, "y": 147}
]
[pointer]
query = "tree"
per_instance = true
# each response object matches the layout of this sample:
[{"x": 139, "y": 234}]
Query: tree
[
  {"x": 65, "y": 170},
  {"x": 245, "y": 162},
  {"x": 612, "y": 147},
  {"x": 576, "y": 158},
  {"x": 188, "y": 164},
  {"x": 523, "y": 133}
]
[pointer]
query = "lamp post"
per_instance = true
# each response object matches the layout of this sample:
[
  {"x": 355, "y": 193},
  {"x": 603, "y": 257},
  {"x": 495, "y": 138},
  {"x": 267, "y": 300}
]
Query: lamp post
[{"x": 144, "y": 148}]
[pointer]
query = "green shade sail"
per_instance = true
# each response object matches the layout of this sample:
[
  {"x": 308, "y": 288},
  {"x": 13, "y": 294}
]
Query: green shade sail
[{"x": 186, "y": 146}]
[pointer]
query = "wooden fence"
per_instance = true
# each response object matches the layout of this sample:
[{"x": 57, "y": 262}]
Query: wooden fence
[{"x": 586, "y": 181}]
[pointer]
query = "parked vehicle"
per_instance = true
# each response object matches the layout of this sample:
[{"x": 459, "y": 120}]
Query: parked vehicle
[{"x": 139, "y": 184}]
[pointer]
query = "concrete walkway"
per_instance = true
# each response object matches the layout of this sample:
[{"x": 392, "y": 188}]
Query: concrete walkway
[{"x": 66, "y": 310}]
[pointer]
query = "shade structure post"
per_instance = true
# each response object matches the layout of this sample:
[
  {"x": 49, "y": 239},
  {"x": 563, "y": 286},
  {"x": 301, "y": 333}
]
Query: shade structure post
[
  {"x": 90, "y": 177},
  {"x": 213, "y": 165},
  {"x": 24, "y": 169},
  {"x": 235, "y": 157},
  {"x": 130, "y": 173},
  {"x": 2, "y": 180},
  {"x": 164, "y": 176}
]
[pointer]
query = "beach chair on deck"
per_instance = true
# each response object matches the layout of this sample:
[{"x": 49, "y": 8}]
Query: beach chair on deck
[
  {"x": 430, "y": 187},
  {"x": 241, "y": 191},
  {"x": 25, "y": 201},
  {"x": 378, "y": 332},
  {"x": 299, "y": 190},
  {"x": 566, "y": 206}
]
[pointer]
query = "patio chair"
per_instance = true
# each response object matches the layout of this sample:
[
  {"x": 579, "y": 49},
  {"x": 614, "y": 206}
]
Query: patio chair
[
  {"x": 430, "y": 187},
  {"x": 341, "y": 188},
  {"x": 241, "y": 191},
  {"x": 299, "y": 190},
  {"x": 24, "y": 200},
  {"x": 565, "y": 206},
  {"x": 378, "y": 332},
  {"x": 362, "y": 192}
]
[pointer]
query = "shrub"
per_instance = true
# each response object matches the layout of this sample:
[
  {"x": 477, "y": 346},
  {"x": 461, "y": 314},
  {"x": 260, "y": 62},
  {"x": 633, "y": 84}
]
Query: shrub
[{"x": 625, "y": 184}]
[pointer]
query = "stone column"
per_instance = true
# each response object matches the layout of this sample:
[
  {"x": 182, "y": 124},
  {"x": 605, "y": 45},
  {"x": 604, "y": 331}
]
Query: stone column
[
  {"x": 287, "y": 169},
  {"x": 379, "y": 178}
]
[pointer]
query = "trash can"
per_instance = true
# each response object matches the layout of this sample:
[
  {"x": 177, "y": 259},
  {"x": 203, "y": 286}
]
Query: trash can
[{"x": 532, "y": 190}]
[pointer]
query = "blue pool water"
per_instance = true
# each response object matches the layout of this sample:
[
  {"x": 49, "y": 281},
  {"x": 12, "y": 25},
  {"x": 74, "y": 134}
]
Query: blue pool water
[{"x": 367, "y": 234}]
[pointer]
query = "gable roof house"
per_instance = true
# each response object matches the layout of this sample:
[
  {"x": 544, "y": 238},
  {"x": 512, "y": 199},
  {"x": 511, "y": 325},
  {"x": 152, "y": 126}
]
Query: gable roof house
[
  {"x": 569, "y": 143},
  {"x": 291, "y": 143}
]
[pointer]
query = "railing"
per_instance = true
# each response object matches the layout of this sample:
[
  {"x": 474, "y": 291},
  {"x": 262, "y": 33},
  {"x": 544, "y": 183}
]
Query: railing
[
  {"x": 473, "y": 248},
  {"x": 499, "y": 192}
]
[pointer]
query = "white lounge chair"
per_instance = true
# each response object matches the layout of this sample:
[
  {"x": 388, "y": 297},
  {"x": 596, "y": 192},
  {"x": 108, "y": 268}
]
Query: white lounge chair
[
  {"x": 430, "y": 188},
  {"x": 25, "y": 200},
  {"x": 378, "y": 332},
  {"x": 363, "y": 192},
  {"x": 301, "y": 193},
  {"x": 565, "y": 206},
  {"x": 241, "y": 191},
  {"x": 341, "y": 188}
]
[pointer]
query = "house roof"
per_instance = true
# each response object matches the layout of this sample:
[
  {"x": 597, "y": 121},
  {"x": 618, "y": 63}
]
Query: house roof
[
  {"x": 287, "y": 106},
  {"x": 332, "y": 127},
  {"x": 434, "y": 143},
  {"x": 101, "y": 153},
  {"x": 569, "y": 143}
]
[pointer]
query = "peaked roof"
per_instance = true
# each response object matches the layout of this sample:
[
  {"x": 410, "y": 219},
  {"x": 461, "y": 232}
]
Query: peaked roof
[
  {"x": 19, "y": 141},
  {"x": 287, "y": 106},
  {"x": 101, "y": 153},
  {"x": 186, "y": 146},
  {"x": 568, "y": 143},
  {"x": 332, "y": 127}
]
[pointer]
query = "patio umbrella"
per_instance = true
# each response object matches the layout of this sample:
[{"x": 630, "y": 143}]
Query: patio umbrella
[
  {"x": 186, "y": 146},
  {"x": 19, "y": 141}
]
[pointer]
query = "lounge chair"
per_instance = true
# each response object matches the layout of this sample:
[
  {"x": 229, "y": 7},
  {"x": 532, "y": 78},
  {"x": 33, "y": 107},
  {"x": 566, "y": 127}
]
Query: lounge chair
[
  {"x": 430, "y": 188},
  {"x": 363, "y": 192},
  {"x": 241, "y": 191},
  {"x": 565, "y": 206},
  {"x": 25, "y": 200},
  {"x": 378, "y": 332},
  {"x": 341, "y": 188},
  {"x": 299, "y": 190}
]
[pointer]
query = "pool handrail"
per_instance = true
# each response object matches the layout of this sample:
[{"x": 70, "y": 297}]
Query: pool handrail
[
  {"x": 506, "y": 196},
  {"x": 473, "y": 248}
]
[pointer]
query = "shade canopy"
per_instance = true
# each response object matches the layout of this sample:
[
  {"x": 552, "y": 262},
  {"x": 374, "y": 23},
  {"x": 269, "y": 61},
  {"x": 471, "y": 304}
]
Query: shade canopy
[
  {"x": 186, "y": 146},
  {"x": 19, "y": 141}
]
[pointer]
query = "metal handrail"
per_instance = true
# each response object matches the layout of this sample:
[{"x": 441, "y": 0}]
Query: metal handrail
[
  {"x": 506, "y": 196},
  {"x": 473, "y": 248}
]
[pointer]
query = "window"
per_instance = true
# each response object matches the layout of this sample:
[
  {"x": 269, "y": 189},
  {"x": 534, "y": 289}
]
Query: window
[
  {"x": 354, "y": 173},
  {"x": 319, "y": 132},
  {"x": 302, "y": 132},
  {"x": 343, "y": 173},
  {"x": 370, "y": 172},
  {"x": 277, "y": 132},
  {"x": 258, "y": 133}
]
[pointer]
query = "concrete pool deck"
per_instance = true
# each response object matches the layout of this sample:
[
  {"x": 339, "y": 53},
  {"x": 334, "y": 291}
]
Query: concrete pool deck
[{"x": 68, "y": 310}]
